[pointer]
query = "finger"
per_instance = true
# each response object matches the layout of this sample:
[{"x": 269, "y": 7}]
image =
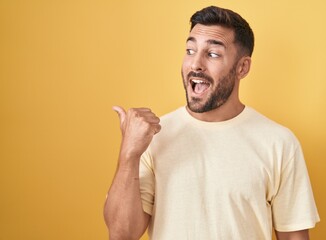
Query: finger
[
  {"x": 150, "y": 117},
  {"x": 144, "y": 109},
  {"x": 121, "y": 112},
  {"x": 153, "y": 120},
  {"x": 157, "y": 128}
]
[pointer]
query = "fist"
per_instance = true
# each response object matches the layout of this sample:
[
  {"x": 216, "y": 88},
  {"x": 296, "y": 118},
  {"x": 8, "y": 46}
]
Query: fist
[{"x": 138, "y": 126}]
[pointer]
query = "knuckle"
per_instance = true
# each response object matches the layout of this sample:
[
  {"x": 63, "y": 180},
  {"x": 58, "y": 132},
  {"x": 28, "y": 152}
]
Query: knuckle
[
  {"x": 142, "y": 118},
  {"x": 133, "y": 113},
  {"x": 131, "y": 110},
  {"x": 146, "y": 124}
]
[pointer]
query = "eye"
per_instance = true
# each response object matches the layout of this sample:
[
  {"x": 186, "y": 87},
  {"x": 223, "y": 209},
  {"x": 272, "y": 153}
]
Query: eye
[
  {"x": 213, "y": 55},
  {"x": 190, "y": 51}
]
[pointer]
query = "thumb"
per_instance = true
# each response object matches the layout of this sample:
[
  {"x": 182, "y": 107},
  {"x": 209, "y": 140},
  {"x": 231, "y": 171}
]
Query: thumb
[{"x": 121, "y": 112}]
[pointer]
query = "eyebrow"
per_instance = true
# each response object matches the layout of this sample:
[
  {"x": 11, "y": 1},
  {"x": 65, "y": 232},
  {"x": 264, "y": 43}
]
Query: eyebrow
[{"x": 209, "y": 41}]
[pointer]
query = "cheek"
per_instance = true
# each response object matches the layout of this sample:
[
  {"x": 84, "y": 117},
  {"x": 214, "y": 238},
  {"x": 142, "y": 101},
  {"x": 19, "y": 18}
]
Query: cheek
[
  {"x": 185, "y": 67},
  {"x": 186, "y": 62},
  {"x": 216, "y": 70}
]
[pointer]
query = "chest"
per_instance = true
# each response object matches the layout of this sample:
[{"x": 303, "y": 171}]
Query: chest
[{"x": 214, "y": 167}]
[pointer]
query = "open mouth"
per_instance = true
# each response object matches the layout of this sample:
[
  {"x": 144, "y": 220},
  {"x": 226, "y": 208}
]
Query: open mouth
[{"x": 199, "y": 86}]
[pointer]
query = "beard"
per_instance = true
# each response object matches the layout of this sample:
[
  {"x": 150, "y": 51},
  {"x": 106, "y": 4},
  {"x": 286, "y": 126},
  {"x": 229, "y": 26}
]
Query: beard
[{"x": 218, "y": 96}]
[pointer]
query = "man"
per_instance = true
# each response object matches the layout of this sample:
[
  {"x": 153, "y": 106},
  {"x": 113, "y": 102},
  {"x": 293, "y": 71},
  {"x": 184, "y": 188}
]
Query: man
[{"x": 217, "y": 169}]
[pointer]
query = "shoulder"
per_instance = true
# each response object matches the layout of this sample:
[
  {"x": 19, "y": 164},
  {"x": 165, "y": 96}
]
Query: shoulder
[
  {"x": 174, "y": 120},
  {"x": 269, "y": 129},
  {"x": 172, "y": 116},
  {"x": 173, "y": 124}
]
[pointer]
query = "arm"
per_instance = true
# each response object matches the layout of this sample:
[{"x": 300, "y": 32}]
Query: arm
[
  {"x": 297, "y": 235},
  {"x": 123, "y": 212}
]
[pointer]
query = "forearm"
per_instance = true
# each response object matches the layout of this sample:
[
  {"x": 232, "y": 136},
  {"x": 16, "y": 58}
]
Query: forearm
[
  {"x": 123, "y": 210},
  {"x": 296, "y": 235}
]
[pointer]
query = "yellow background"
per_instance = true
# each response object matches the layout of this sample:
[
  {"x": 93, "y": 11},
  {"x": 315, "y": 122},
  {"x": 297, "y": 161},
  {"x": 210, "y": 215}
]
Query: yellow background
[{"x": 65, "y": 63}]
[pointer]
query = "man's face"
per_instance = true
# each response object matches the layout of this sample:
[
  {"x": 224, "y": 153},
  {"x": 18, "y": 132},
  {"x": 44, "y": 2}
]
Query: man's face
[{"x": 209, "y": 67}]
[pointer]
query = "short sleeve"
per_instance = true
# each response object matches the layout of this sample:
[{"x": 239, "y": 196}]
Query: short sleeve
[
  {"x": 293, "y": 206},
  {"x": 147, "y": 182}
]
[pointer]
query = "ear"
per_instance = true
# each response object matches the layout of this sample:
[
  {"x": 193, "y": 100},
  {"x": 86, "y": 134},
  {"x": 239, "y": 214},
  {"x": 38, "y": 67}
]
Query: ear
[{"x": 243, "y": 67}]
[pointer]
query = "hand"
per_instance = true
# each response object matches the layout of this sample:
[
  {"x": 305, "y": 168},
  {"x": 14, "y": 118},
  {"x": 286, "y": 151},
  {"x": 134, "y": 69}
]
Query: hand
[{"x": 138, "y": 126}]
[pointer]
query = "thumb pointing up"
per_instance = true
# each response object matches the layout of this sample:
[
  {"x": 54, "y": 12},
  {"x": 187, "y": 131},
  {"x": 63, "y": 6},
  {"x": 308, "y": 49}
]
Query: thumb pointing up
[{"x": 122, "y": 114}]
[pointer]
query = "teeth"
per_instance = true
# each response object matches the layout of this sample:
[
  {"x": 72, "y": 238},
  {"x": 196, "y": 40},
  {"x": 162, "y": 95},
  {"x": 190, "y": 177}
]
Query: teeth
[{"x": 197, "y": 81}]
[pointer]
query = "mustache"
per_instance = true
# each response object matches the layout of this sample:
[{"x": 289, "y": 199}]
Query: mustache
[{"x": 200, "y": 75}]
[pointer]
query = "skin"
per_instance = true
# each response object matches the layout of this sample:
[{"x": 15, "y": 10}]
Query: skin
[
  {"x": 211, "y": 56},
  {"x": 297, "y": 235},
  {"x": 216, "y": 61},
  {"x": 123, "y": 212}
]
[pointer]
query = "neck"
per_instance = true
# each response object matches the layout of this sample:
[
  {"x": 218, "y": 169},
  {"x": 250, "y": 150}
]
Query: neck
[{"x": 225, "y": 112}]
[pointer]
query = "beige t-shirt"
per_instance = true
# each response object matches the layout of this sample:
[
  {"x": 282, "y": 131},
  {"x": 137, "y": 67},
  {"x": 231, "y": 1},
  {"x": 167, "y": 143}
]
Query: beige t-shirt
[{"x": 235, "y": 179}]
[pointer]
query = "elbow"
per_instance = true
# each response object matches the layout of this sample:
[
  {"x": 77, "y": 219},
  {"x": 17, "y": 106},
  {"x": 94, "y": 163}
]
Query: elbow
[
  {"x": 122, "y": 226},
  {"x": 106, "y": 213},
  {"x": 120, "y": 236},
  {"x": 118, "y": 231}
]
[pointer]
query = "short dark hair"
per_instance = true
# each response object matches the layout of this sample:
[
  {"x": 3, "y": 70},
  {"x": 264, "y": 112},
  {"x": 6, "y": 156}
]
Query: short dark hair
[{"x": 243, "y": 34}]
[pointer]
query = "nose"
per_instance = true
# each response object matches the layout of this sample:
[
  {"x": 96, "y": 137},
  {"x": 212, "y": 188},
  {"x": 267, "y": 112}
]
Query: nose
[{"x": 197, "y": 63}]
